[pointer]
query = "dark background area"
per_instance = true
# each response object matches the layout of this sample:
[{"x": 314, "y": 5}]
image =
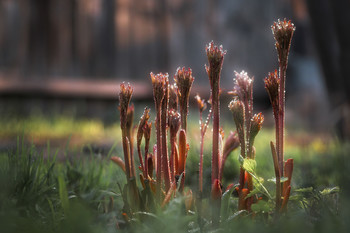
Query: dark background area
[{"x": 60, "y": 56}]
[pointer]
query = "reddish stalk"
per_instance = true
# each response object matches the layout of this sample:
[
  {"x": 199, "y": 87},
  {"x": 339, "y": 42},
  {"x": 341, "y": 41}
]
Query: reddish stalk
[
  {"x": 183, "y": 149},
  {"x": 173, "y": 158},
  {"x": 126, "y": 115},
  {"x": 216, "y": 126},
  {"x": 215, "y": 58},
  {"x": 124, "y": 100},
  {"x": 158, "y": 82},
  {"x": 174, "y": 125},
  {"x": 129, "y": 135},
  {"x": 283, "y": 33},
  {"x": 278, "y": 176},
  {"x": 147, "y": 134},
  {"x": 159, "y": 155},
  {"x": 281, "y": 117},
  {"x": 288, "y": 172},
  {"x": 164, "y": 118}
]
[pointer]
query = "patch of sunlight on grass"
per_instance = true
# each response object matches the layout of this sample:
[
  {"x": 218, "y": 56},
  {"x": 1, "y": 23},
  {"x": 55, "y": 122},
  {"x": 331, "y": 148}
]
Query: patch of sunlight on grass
[{"x": 58, "y": 127}]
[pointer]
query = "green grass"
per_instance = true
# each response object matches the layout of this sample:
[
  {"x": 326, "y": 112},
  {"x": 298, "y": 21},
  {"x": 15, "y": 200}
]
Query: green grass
[
  {"x": 41, "y": 129},
  {"x": 43, "y": 193}
]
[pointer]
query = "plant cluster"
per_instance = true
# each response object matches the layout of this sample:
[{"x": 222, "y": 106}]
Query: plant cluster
[{"x": 171, "y": 106}]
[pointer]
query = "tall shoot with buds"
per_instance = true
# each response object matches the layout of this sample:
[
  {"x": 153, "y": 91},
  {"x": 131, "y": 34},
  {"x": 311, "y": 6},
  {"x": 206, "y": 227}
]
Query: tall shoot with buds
[
  {"x": 126, "y": 119},
  {"x": 164, "y": 119},
  {"x": 124, "y": 100},
  {"x": 248, "y": 126},
  {"x": 215, "y": 58},
  {"x": 275, "y": 85},
  {"x": 283, "y": 32},
  {"x": 184, "y": 80},
  {"x": 159, "y": 82}
]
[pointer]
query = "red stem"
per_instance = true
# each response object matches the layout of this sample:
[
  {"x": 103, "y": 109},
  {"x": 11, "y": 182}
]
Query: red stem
[
  {"x": 278, "y": 177},
  {"x": 146, "y": 157},
  {"x": 165, "y": 163},
  {"x": 216, "y": 122},
  {"x": 183, "y": 117},
  {"x": 242, "y": 172},
  {"x": 126, "y": 154},
  {"x": 248, "y": 116},
  {"x": 159, "y": 154},
  {"x": 281, "y": 117},
  {"x": 172, "y": 158}
]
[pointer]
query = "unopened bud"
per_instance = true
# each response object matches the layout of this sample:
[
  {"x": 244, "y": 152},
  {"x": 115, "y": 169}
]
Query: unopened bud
[
  {"x": 174, "y": 122},
  {"x": 124, "y": 100},
  {"x": 215, "y": 56},
  {"x": 237, "y": 108},
  {"x": 256, "y": 123},
  {"x": 283, "y": 32},
  {"x": 272, "y": 83},
  {"x": 159, "y": 85}
]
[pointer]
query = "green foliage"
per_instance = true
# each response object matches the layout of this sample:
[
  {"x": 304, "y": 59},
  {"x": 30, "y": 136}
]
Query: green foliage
[
  {"x": 63, "y": 193},
  {"x": 33, "y": 182},
  {"x": 273, "y": 180},
  {"x": 249, "y": 166},
  {"x": 262, "y": 207},
  {"x": 329, "y": 191},
  {"x": 225, "y": 203}
]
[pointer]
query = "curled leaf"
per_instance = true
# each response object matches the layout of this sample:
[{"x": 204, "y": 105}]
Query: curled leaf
[{"x": 119, "y": 162}]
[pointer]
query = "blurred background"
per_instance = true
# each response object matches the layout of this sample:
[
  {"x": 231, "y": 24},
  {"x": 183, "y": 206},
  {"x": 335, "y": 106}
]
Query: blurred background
[{"x": 67, "y": 57}]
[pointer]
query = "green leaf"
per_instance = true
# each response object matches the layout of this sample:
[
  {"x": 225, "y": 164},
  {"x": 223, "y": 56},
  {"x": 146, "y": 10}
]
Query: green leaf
[
  {"x": 253, "y": 192},
  {"x": 296, "y": 198},
  {"x": 329, "y": 191},
  {"x": 258, "y": 185},
  {"x": 249, "y": 165},
  {"x": 236, "y": 214},
  {"x": 304, "y": 190},
  {"x": 225, "y": 201},
  {"x": 63, "y": 193},
  {"x": 110, "y": 193},
  {"x": 261, "y": 206},
  {"x": 283, "y": 179}
]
